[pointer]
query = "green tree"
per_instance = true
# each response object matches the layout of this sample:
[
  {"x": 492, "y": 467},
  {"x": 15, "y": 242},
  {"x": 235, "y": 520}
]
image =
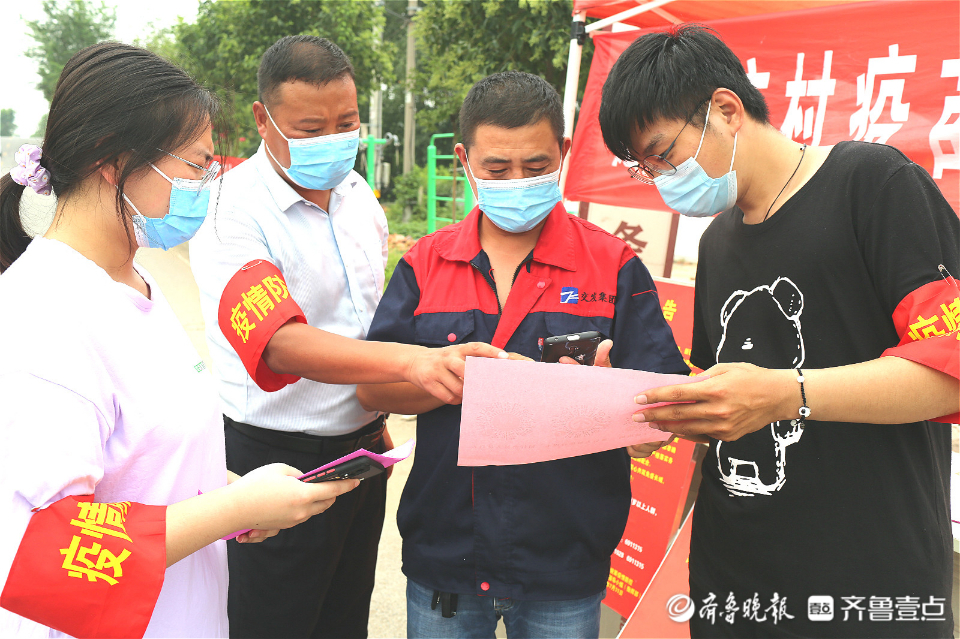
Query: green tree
[
  {"x": 223, "y": 47},
  {"x": 461, "y": 42},
  {"x": 67, "y": 27},
  {"x": 7, "y": 125},
  {"x": 160, "y": 41}
]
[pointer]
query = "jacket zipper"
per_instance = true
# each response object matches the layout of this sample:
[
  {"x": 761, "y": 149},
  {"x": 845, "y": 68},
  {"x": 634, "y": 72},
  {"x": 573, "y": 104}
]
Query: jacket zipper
[{"x": 493, "y": 285}]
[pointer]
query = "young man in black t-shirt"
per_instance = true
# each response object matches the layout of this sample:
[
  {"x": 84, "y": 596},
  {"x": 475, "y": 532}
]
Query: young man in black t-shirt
[{"x": 826, "y": 317}]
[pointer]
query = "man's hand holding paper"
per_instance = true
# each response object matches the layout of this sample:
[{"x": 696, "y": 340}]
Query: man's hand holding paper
[{"x": 603, "y": 359}]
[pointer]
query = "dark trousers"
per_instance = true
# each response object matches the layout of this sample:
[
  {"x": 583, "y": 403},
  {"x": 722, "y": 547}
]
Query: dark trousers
[{"x": 312, "y": 580}]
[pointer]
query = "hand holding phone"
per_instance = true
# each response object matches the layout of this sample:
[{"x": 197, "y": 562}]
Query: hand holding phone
[
  {"x": 356, "y": 468},
  {"x": 581, "y": 347}
]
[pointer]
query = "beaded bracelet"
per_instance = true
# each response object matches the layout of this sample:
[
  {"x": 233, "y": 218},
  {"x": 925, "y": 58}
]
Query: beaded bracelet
[{"x": 804, "y": 410}]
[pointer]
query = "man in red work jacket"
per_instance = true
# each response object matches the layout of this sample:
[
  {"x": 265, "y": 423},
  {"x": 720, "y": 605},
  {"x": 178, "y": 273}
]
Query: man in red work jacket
[{"x": 528, "y": 543}]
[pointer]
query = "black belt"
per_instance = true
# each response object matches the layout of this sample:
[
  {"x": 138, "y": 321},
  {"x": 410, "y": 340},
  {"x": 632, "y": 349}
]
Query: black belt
[{"x": 332, "y": 446}]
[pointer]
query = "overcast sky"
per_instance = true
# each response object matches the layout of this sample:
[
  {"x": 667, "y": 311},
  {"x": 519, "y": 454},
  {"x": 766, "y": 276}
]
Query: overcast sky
[{"x": 135, "y": 19}]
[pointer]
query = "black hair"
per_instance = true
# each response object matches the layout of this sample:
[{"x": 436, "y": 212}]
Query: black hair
[
  {"x": 305, "y": 58},
  {"x": 510, "y": 100},
  {"x": 111, "y": 100},
  {"x": 667, "y": 75}
]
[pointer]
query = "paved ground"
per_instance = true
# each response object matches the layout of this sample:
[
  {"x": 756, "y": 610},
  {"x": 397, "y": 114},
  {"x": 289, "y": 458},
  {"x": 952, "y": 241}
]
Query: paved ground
[{"x": 388, "y": 608}]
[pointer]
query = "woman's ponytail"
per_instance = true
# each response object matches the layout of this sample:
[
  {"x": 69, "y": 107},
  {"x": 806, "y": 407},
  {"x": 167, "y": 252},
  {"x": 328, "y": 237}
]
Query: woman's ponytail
[{"x": 13, "y": 238}]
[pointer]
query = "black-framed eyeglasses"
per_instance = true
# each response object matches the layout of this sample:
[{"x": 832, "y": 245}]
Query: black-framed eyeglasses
[
  {"x": 654, "y": 166},
  {"x": 209, "y": 172}
]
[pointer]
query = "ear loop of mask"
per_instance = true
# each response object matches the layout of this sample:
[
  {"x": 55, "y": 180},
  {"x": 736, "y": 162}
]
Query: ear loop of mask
[
  {"x": 139, "y": 220},
  {"x": 476, "y": 192},
  {"x": 273, "y": 122},
  {"x": 706, "y": 121},
  {"x": 267, "y": 146}
]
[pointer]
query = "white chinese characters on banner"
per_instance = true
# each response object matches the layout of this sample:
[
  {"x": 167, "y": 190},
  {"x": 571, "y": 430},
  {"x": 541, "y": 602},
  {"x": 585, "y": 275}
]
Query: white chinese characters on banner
[
  {"x": 947, "y": 128},
  {"x": 864, "y": 124},
  {"x": 759, "y": 80},
  {"x": 808, "y": 123},
  {"x": 908, "y": 97}
]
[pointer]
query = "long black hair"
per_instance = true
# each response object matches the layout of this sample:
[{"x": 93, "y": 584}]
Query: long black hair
[{"x": 112, "y": 99}]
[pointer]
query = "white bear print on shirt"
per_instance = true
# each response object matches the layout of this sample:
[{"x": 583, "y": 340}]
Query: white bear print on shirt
[{"x": 756, "y": 464}]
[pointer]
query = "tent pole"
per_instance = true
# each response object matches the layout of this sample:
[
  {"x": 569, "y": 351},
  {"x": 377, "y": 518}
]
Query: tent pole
[{"x": 577, "y": 36}]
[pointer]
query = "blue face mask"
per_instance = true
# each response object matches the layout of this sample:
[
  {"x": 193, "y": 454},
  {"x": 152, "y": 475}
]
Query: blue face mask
[
  {"x": 516, "y": 206},
  {"x": 189, "y": 200},
  {"x": 691, "y": 192},
  {"x": 319, "y": 163}
]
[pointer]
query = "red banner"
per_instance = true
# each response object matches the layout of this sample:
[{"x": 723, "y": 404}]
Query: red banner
[
  {"x": 884, "y": 72},
  {"x": 658, "y": 483},
  {"x": 676, "y": 302},
  {"x": 665, "y": 608}
]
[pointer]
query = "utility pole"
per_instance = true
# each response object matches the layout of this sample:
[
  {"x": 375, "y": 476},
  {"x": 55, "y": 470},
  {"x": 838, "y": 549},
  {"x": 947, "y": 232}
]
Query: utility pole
[
  {"x": 376, "y": 131},
  {"x": 376, "y": 120},
  {"x": 409, "y": 107}
]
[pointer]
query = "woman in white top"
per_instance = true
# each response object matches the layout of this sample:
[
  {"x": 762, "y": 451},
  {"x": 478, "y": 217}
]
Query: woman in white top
[{"x": 104, "y": 403}]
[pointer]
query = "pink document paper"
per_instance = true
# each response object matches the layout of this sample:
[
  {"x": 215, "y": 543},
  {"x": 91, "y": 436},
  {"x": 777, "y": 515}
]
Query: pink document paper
[
  {"x": 386, "y": 460},
  {"x": 520, "y": 412}
]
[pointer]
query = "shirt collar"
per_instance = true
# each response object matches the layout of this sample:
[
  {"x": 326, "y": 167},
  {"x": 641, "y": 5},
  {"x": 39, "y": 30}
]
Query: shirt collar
[
  {"x": 282, "y": 193},
  {"x": 555, "y": 246}
]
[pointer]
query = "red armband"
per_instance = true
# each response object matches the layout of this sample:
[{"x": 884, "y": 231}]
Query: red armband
[
  {"x": 927, "y": 321},
  {"x": 88, "y": 569},
  {"x": 254, "y": 304}
]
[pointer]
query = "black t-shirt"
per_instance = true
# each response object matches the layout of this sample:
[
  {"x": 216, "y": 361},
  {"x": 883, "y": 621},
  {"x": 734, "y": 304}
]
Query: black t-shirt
[{"x": 856, "y": 512}]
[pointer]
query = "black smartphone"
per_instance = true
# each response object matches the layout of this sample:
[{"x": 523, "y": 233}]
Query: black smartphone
[
  {"x": 581, "y": 347},
  {"x": 356, "y": 468}
]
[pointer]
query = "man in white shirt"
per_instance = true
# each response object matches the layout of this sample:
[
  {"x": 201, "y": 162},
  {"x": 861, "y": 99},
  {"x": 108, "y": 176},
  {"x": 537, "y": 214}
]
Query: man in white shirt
[{"x": 297, "y": 207}]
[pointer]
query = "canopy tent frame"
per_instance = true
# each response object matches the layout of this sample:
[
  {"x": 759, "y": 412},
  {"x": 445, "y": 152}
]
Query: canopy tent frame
[
  {"x": 706, "y": 10},
  {"x": 578, "y": 34}
]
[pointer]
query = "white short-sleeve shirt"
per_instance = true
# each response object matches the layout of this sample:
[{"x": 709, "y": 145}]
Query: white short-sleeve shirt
[
  {"x": 333, "y": 262},
  {"x": 101, "y": 392}
]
